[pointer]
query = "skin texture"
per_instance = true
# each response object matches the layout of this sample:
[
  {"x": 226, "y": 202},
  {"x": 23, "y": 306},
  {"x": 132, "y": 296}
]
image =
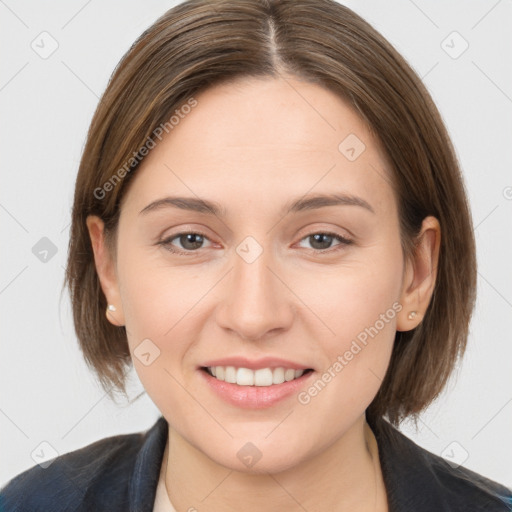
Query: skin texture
[{"x": 253, "y": 147}]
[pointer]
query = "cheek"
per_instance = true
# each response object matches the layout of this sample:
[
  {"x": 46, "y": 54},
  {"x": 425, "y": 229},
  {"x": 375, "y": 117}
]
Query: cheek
[
  {"x": 155, "y": 295},
  {"x": 362, "y": 315},
  {"x": 355, "y": 297},
  {"x": 358, "y": 305},
  {"x": 360, "y": 309},
  {"x": 158, "y": 303}
]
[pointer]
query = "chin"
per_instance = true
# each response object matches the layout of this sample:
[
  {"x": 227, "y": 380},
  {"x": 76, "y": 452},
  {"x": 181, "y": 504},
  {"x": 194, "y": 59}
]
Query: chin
[{"x": 259, "y": 456}]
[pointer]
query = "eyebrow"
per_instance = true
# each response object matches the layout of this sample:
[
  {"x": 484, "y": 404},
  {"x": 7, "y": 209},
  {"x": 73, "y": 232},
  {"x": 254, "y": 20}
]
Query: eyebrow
[{"x": 311, "y": 202}]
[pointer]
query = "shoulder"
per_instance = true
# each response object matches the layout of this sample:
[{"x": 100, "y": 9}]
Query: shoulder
[
  {"x": 78, "y": 480},
  {"x": 415, "y": 475},
  {"x": 462, "y": 486}
]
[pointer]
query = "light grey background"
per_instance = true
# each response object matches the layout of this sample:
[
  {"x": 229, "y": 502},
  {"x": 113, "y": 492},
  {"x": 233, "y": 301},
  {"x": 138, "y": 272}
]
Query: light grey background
[{"x": 49, "y": 395}]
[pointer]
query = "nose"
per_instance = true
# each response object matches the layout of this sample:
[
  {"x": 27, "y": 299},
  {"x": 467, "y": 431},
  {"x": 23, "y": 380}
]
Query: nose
[{"x": 256, "y": 301}]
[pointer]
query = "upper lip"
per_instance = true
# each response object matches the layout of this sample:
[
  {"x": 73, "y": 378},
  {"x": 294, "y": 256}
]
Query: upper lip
[{"x": 255, "y": 364}]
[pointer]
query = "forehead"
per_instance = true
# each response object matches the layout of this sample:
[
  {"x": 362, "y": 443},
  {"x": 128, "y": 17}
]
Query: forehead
[
  {"x": 265, "y": 138},
  {"x": 282, "y": 115}
]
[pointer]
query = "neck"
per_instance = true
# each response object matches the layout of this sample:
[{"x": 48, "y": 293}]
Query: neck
[{"x": 345, "y": 477}]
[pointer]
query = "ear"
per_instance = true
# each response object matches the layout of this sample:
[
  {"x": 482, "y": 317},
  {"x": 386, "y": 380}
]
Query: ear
[
  {"x": 105, "y": 267},
  {"x": 420, "y": 276}
]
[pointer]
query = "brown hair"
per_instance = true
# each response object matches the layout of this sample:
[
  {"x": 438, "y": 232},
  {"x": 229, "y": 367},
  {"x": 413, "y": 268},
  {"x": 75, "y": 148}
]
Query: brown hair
[{"x": 200, "y": 43}]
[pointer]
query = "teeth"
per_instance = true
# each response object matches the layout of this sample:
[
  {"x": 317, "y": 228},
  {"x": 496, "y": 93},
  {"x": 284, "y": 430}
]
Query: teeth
[
  {"x": 230, "y": 374},
  {"x": 248, "y": 377}
]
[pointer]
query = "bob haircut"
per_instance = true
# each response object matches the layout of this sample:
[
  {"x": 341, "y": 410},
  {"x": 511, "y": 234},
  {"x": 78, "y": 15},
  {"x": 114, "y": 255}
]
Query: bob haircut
[{"x": 200, "y": 43}]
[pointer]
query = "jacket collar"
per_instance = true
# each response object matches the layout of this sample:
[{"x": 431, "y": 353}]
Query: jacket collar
[
  {"x": 405, "y": 470},
  {"x": 146, "y": 471}
]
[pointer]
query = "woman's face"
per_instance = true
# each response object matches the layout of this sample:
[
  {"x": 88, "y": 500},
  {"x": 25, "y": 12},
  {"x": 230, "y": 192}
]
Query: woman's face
[{"x": 265, "y": 283}]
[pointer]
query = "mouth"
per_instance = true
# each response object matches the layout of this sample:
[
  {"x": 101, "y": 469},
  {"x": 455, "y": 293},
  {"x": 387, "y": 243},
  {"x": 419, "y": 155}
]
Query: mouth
[
  {"x": 262, "y": 377},
  {"x": 258, "y": 388}
]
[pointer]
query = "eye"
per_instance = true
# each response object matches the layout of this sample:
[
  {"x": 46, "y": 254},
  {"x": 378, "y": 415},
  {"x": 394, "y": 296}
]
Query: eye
[
  {"x": 322, "y": 241},
  {"x": 190, "y": 241}
]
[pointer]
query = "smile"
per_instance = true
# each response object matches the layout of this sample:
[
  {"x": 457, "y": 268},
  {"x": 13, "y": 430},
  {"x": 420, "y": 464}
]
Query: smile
[{"x": 261, "y": 377}]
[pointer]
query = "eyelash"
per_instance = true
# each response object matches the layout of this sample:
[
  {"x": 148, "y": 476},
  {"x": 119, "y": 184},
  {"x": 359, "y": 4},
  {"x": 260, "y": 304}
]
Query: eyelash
[{"x": 166, "y": 243}]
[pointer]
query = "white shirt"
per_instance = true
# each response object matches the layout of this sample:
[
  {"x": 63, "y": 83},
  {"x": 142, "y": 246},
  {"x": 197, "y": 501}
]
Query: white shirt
[{"x": 162, "y": 501}]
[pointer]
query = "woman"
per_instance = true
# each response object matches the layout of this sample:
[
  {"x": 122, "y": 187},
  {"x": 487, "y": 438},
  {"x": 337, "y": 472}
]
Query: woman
[{"x": 270, "y": 223}]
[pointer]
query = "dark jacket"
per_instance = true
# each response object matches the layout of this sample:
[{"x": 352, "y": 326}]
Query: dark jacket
[{"x": 120, "y": 473}]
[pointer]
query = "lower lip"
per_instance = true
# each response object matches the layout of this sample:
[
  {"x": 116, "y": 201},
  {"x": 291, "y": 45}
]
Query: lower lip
[{"x": 255, "y": 397}]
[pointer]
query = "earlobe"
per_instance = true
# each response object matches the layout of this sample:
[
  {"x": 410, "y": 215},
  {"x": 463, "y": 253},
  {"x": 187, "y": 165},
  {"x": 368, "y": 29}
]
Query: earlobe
[
  {"x": 105, "y": 268},
  {"x": 420, "y": 276}
]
